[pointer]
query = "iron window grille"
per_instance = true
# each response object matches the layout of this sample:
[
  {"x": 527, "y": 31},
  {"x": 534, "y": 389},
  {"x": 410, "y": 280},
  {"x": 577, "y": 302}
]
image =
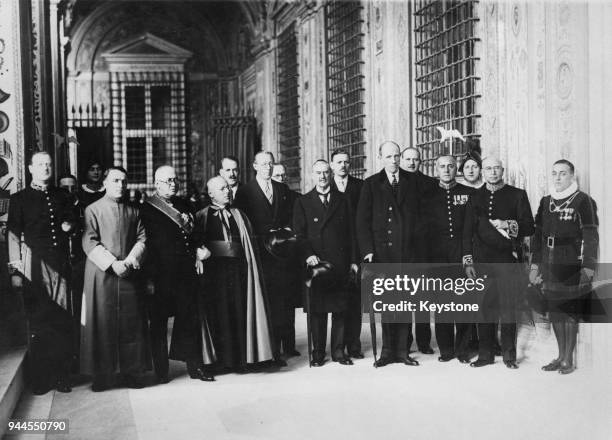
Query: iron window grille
[
  {"x": 148, "y": 111},
  {"x": 288, "y": 106},
  {"x": 345, "y": 81},
  {"x": 446, "y": 83}
]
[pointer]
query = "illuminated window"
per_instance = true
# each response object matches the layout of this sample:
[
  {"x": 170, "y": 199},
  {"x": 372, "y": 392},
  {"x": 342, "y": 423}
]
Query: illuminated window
[{"x": 446, "y": 83}]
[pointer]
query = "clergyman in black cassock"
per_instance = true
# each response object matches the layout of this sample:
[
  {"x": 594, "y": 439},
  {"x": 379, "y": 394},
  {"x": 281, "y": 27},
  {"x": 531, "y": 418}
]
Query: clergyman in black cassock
[
  {"x": 170, "y": 267},
  {"x": 233, "y": 294},
  {"x": 322, "y": 223},
  {"x": 498, "y": 217}
]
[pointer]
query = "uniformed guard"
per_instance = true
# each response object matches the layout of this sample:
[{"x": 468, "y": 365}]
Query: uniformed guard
[
  {"x": 564, "y": 257},
  {"x": 39, "y": 220},
  {"x": 498, "y": 217},
  {"x": 445, "y": 212}
]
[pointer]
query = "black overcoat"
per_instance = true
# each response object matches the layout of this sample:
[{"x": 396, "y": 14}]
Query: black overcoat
[
  {"x": 328, "y": 234},
  {"x": 387, "y": 227}
]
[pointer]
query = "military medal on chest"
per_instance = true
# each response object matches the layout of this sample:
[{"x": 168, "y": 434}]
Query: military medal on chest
[{"x": 565, "y": 212}]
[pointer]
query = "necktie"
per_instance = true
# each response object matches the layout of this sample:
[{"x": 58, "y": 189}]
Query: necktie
[
  {"x": 395, "y": 185},
  {"x": 324, "y": 199},
  {"x": 342, "y": 185},
  {"x": 269, "y": 193}
]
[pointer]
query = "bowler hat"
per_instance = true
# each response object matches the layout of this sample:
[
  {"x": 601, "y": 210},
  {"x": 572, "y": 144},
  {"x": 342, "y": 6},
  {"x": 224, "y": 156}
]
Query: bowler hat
[
  {"x": 321, "y": 274},
  {"x": 280, "y": 243}
]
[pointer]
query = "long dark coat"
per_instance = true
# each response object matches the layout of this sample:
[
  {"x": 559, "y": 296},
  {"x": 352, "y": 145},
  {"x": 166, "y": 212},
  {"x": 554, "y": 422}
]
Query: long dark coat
[
  {"x": 251, "y": 200},
  {"x": 387, "y": 227},
  {"x": 113, "y": 320},
  {"x": 328, "y": 234}
]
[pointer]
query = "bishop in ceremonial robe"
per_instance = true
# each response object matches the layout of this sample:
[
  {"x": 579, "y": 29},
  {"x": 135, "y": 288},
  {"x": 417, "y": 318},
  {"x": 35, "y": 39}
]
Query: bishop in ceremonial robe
[
  {"x": 233, "y": 289},
  {"x": 114, "y": 328}
]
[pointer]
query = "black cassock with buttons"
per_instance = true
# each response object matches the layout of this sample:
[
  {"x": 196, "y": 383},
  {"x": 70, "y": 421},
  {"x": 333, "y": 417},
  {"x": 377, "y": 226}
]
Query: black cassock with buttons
[
  {"x": 445, "y": 214},
  {"x": 37, "y": 241},
  {"x": 485, "y": 245}
]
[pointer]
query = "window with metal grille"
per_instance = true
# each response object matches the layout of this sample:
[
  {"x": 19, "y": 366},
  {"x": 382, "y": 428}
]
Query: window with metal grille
[
  {"x": 345, "y": 90},
  {"x": 288, "y": 106},
  {"x": 445, "y": 80},
  {"x": 149, "y": 123}
]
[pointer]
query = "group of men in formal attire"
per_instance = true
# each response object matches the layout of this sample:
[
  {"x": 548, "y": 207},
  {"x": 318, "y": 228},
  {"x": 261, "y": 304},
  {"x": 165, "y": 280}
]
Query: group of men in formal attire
[{"x": 101, "y": 276}]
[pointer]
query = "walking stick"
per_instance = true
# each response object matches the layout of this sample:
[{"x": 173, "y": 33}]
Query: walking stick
[
  {"x": 308, "y": 327},
  {"x": 373, "y": 330}
]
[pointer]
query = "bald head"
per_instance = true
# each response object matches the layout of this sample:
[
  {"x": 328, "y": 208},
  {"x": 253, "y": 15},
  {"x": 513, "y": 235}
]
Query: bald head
[
  {"x": 166, "y": 182},
  {"x": 218, "y": 190},
  {"x": 389, "y": 154},
  {"x": 492, "y": 170}
]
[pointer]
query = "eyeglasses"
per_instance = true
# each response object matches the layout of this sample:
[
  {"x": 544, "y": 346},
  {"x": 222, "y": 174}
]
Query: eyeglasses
[{"x": 175, "y": 180}]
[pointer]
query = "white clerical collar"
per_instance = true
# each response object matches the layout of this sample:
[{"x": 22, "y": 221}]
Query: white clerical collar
[
  {"x": 85, "y": 188},
  {"x": 558, "y": 195}
]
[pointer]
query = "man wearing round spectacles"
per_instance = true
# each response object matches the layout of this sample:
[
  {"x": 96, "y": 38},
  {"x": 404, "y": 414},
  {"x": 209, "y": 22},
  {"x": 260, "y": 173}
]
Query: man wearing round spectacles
[{"x": 172, "y": 279}]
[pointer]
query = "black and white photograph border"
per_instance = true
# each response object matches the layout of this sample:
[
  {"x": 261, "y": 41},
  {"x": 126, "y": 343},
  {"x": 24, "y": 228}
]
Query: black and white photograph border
[{"x": 138, "y": 84}]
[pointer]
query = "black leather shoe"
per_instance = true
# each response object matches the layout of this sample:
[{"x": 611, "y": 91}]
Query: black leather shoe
[
  {"x": 318, "y": 362},
  {"x": 356, "y": 355},
  {"x": 279, "y": 363},
  {"x": 133, "y": 382},
  {"x": 202, "y": 374},
  {"x": 446, "y": 358},
  {"x": 292, "y": 353},
  {"x": 511, "y": 364},
  {"x": 344, "y": 361},
  {"x": 63, "y": 385},
  {"x": 481, "y": 363},
  {"x": 464, "y": 360},
  {"x": 383, "y": 361},
  {"x": 162, "y": 379},
  {"x": 409, "y": 361},
  {"x": 426, "y": 350}
]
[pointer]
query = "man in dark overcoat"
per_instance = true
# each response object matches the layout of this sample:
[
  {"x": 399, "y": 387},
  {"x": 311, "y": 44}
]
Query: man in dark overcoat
[
  {"x": 388, "y": 218},
  {"x": 343, "y": 182},
  {"x": 267, "y": 205},
  {"x": 171, "y": 273},
  {"x": 411, "y": 162},
  {"x": 322, "y": 223}
]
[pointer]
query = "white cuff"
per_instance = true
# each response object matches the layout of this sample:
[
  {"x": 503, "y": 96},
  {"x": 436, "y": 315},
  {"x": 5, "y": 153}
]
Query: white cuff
[{"x": 101, "y": 257}]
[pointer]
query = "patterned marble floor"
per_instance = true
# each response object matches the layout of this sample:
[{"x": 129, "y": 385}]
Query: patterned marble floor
[{"x": 433, "y": 401}]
